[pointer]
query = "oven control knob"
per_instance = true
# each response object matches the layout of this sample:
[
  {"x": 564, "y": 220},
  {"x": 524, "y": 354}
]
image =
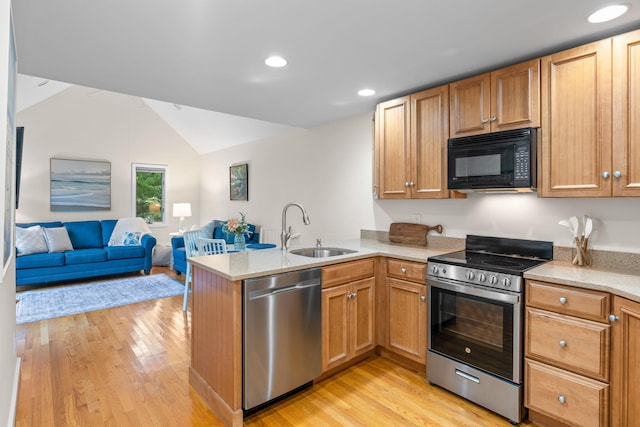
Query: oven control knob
[
  {"x": 481, "y": 277},
  {"x": 434, "y": 269},
  {"x": 506, "y": 282},
  {"x": 470, "y": 275},
  {"x": 493, "y": 280}
]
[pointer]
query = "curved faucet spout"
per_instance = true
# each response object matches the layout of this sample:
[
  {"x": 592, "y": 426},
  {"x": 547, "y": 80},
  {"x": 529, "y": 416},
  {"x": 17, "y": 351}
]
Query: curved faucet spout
[{"x": 285, "y": 235}]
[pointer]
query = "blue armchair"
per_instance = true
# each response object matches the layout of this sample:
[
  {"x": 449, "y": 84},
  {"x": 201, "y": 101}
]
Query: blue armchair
[{"x": 177, "y": 242}]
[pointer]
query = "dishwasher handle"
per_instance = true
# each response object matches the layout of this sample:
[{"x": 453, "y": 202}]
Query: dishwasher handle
[{"x": 279, "y": 290}]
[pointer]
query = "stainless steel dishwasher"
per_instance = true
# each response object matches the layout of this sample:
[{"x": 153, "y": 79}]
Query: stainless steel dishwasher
[{"x": 282, "y": 342}]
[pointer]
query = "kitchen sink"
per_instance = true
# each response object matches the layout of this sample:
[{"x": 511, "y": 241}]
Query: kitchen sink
[{"x": 320, "y": 252}]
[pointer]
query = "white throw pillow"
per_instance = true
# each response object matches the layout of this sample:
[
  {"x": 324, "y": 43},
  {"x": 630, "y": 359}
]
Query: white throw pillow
[
  {"x": 131, "y": 238},
  {"x": 57, "y": 239},
  {"x": 125, "y": 225},
  {"x": 30, "y": 240}
]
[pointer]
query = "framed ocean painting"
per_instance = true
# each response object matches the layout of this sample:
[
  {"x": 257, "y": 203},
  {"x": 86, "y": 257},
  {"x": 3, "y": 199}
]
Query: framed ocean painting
[{"x": 80, "y": 185}]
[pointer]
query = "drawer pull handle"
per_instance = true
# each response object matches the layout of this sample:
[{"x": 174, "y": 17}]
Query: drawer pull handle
[
  {"x": 561, "y": 399},
  {"x": 466, "y": 376},
  {"x": 613, "y": 318},
  {"x": 563, "y": 300},
  {"x": 562, "y": 343},
  {"x": 403, "y": 270}
]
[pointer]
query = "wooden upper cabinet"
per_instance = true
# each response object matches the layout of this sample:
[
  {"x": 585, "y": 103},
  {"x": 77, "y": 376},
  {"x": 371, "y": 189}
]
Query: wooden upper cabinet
[
  {"x": 508, "y": 98},
  {"x": 626, "y": 112},
  {"x": 392, "y": 139},
  {"x": 470, "y": 104},
  {"x": 429, "y": 134},
  {"x": 411, "y": 141},
  {"x": 575, "y": 154}
]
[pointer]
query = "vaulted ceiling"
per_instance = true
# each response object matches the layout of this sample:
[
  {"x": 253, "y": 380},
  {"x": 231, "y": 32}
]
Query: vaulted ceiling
[{"x": 208, "y": 56}]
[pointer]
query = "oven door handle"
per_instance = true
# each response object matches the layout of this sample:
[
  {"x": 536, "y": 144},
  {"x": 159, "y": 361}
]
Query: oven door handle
[{"x": 494, "y": 295}]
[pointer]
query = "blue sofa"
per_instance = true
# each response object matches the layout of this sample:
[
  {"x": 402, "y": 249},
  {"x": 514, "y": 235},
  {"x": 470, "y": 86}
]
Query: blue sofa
[
  {"x": 177, "y": 242},
  {"x": 91, "y": 256}
]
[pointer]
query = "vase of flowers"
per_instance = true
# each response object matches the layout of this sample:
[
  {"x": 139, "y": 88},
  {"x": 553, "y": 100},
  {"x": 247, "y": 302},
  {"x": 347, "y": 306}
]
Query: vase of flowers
[{"x": 239, "y": 228}]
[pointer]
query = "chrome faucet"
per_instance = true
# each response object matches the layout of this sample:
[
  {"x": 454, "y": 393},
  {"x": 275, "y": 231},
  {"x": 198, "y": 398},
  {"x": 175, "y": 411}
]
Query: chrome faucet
[{"x": 285, "y": 235}]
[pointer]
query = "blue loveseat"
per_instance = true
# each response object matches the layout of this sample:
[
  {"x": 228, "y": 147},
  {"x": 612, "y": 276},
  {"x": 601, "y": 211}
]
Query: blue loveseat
[
  {"x": 91, "y": 255},
  {"x": 177, "y": 242}
]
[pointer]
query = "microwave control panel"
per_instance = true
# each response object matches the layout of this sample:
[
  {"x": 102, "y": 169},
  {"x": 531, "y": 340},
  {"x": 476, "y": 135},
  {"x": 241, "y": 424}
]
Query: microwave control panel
[{"x": 522, "y": 165}]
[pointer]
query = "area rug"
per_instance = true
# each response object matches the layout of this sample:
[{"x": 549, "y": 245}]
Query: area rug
[{"x": 44, "y": 304}]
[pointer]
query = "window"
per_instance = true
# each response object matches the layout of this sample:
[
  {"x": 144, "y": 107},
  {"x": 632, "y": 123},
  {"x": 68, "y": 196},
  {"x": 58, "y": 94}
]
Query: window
[{"x": 149, "y": 200}]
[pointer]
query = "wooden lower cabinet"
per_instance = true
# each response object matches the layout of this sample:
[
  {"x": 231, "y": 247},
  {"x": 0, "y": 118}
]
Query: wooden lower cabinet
[
  {"x": 567, "y": 397},
  {"x": 625, "y": 379},
  {"x": 567, "y": 355},
  {"x": 408, "y": 319},
  {"x": 406, "y": 298},
  {"x": 347, "y": 317}
]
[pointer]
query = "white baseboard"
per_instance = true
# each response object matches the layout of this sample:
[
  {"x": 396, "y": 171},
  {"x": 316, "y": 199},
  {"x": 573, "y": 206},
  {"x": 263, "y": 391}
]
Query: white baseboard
[{"x": 14, "y": 395}]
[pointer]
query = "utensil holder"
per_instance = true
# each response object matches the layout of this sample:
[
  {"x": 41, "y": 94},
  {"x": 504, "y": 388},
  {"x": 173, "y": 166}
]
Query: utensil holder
[{"x": 582, "y": 257}]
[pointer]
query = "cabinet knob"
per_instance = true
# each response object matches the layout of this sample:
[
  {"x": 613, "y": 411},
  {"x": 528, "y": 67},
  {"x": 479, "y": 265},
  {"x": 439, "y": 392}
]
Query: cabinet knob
[
  {"x": 561, "y": 399},
  {"x": 412, "y": 184},
  {"x": 563, "y": 300},
  {"x": 423, "y": 297},
  {"x": 406, "y": 183},
  {"x": 613, "y": 318},
  {"x": 494, "y": 118},
  {"x": 605, "y": 175},
  {"x": 562, "y": 343},
  {"x": 485, "y": 120},
  {"x": 617, "y": 174},
  {"x": 403, "y": 270}
]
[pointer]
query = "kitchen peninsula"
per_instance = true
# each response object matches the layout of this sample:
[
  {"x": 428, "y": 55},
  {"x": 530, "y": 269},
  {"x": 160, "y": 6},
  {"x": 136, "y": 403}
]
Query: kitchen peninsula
[{"x": 216, "y": 354}]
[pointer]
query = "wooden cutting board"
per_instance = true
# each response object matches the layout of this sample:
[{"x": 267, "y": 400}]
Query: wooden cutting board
[{"x": 411, "y": 234}]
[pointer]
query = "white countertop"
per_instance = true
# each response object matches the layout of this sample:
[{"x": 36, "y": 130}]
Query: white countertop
[
  {"x": 248, "y": 264},
  {"x": 263, "y": 262},
  {"x": 625, "y": 283}
]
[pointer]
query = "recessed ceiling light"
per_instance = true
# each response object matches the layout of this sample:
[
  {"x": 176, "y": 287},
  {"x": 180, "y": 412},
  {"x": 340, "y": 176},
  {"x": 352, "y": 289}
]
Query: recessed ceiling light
[
  {"x": 42, "y": 83},
  {"x": 177, "y": 106},
  {"x": 366, "y": 92},
  {"x": 275, "y": 61},
  {"x": 608, "y": 13}
]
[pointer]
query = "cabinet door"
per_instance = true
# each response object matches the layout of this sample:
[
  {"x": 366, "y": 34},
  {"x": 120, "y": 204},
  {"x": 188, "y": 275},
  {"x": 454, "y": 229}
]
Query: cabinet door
[
  {"x": 626, "y": 112},
  {"x": 429, "y": 134},
  {"x": 470, "y": 105},
  {"x": 361, "y": 306},
  {"x": 335, "y": 344},
  {"x": 392, "y": 121},
  {"x": 625, "y": 381},
  {"x": 407, "y": 319},
  {"x": 515, "y": 96},
  {"x": 576, "y": 118}
]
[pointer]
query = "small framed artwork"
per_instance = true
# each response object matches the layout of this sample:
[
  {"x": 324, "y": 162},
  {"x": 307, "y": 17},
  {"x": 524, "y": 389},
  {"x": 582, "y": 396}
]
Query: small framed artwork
[
  {"x": 80, "y": 185},
  {"x": 239, "y": 182}
]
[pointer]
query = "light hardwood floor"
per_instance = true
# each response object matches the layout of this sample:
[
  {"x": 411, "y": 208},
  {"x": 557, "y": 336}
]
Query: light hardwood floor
[{"x": 128, "y": 366}]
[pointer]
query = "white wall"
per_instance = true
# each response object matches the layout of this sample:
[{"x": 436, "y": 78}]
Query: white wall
[
  {"x": 328, "y": 170},
  {"x": 8, "y": 360},
  {"x": 108, "y": 126}
]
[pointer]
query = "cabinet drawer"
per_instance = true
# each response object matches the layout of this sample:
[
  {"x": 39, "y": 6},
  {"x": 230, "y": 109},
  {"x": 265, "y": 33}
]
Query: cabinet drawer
[
  {"x": 407, "y": 270},
  {"x": 347, "y": 272},
  {"x": 584, "y": 303},
  {"x": 571, "y": 398},
  {"x": 568, "y": 342}
]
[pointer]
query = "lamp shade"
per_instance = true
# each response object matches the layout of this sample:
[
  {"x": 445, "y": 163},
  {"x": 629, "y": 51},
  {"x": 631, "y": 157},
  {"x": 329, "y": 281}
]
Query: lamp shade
[{"x": 182, "y": 209}]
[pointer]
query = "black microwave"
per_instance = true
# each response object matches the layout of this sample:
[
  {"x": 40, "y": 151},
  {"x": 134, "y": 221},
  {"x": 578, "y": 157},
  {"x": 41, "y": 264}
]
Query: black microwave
[{"x": 497, "y": 161}]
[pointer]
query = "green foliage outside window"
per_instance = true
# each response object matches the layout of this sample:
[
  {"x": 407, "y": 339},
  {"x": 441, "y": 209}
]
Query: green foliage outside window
[{"x": 149, "y": 195}]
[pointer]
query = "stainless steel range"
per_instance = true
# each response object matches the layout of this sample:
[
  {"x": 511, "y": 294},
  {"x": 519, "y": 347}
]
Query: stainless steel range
[{"x": 475, "y": 322}]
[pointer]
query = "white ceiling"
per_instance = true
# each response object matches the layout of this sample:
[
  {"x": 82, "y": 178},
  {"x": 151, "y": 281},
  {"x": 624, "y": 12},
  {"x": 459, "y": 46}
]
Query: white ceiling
[{"x": 207, "y": 55}]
